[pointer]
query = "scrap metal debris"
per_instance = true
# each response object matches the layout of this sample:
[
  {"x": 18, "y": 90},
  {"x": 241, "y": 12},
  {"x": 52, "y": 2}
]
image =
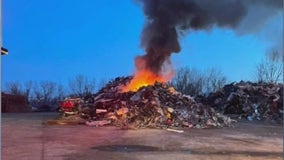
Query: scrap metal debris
[
  {"x": 155, "y": 106},
  {"x": 253, "y": 101},
  {"x": 160, "y": 106}
]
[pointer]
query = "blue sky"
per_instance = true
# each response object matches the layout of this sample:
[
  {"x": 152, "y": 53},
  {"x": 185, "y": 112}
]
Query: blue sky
[{"x": 57, "y": 40}]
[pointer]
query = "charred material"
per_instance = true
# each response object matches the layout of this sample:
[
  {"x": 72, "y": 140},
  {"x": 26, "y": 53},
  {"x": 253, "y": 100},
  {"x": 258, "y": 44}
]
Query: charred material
[
  {"x": 155, "y": 106},
  {"x": 254, "y": 101}
]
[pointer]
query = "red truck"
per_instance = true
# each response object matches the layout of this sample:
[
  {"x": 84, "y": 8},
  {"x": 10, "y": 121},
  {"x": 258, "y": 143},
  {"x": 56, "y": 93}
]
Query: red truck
[{"x": 70, "y": 106}]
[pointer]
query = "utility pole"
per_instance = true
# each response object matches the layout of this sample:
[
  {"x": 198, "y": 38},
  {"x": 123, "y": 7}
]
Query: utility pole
[
  {"x": 4, "y": 51},
  {"x": 1, "y": 25},
  {"x": 0, "y": 66}
]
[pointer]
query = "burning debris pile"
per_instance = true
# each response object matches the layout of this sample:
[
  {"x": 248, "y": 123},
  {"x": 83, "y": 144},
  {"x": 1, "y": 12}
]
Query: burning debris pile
[
  {"x": 155, "y": 106},
  {"x": 261, "y": 101}
]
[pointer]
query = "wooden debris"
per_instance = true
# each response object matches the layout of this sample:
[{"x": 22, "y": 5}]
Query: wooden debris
[
  {"x": 98, "y": 111},
  {"x": 98, "y": 123},
  {"x": 175, "y": 130},
  {"x": 155, "y": 106}
]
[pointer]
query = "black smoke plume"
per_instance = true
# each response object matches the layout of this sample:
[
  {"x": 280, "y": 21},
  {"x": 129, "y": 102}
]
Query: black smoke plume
[{"x": 167, "y": 20}]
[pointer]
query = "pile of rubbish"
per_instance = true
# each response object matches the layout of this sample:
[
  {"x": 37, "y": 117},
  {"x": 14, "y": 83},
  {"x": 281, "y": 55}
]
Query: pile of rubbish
[
  {"x": 253, "y": 101},
  {"x": 161, "y": 106},
  {"x": 152, "y": 106}
]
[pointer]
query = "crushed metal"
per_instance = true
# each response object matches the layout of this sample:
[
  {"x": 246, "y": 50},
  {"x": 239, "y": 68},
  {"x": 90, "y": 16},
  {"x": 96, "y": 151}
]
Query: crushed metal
[
  {"x": 153, "y": 106},
  {"x": 253, "y": 101}
]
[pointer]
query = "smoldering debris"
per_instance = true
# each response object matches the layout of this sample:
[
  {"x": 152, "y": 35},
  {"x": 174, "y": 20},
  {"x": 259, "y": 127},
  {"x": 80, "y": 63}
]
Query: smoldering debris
[
  {"x": 253, "y": 101},
  {"x": 153, "y": 106}
]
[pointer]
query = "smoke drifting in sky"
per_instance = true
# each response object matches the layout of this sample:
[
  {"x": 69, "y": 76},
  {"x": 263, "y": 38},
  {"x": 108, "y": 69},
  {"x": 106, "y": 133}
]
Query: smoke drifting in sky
[{"x": 167, "y": 20}]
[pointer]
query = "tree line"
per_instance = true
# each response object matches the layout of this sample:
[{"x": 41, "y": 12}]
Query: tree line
[
  {"x": 195, "y": 82},
  {"x": 49, "y": 93},
  {"x": 187, "y": 80},
  {"x": 270, "y": 69}
]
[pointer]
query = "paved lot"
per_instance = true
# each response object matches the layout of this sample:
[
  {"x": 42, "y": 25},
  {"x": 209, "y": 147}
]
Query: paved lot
[{"x": 25, "y": 137}]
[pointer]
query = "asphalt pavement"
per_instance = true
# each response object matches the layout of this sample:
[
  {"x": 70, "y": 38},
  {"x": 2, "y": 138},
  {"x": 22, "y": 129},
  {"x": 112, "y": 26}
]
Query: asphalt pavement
[{"x": 25, "y": 136}]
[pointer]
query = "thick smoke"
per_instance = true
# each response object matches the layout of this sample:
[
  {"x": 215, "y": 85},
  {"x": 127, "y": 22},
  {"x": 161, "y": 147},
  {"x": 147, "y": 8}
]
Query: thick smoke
[{"x": 167, "y": 20}]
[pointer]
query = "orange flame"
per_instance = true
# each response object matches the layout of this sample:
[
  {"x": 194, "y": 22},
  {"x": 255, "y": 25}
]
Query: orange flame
[{"x": 143, "y": 78}]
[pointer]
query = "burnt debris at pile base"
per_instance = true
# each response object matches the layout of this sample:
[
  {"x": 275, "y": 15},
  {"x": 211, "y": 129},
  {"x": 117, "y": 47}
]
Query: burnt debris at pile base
[{"x": 155, "y": 106}]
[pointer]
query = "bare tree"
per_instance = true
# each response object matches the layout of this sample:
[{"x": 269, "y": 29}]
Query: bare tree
[
  {"x": 27, "y": 89},
  {"x": 44, "y": 93},
  {"x": 271, "y": 68},
  {"x": 14, "y": 88},
  {"x": 194, "y": 82},
  {"x": 81, "y": 86},
  {"x": 17, "y": 88},
  {"x": 60, "y": 92},
  {"x": 188, "y": 81},
  {"x": 213, "y": 80}
]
